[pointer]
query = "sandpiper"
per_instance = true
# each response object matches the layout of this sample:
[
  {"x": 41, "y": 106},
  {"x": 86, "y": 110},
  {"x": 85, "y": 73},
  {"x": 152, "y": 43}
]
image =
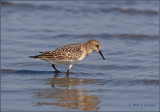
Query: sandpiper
[{"x": 69, "y": 54}]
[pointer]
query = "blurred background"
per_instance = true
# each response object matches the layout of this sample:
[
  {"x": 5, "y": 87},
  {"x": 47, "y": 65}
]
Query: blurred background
[{"x": 128, "y": 80}]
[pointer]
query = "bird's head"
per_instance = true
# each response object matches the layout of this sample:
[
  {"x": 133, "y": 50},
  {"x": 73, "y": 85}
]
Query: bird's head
[{"x": 95, "y": 46}]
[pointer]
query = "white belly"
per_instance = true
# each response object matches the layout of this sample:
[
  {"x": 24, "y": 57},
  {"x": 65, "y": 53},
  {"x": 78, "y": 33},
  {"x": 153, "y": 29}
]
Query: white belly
[{"x": 61, "y": 62}]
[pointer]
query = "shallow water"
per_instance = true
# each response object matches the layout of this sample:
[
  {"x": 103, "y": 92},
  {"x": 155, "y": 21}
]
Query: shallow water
[{"x": 128, "y": 80}]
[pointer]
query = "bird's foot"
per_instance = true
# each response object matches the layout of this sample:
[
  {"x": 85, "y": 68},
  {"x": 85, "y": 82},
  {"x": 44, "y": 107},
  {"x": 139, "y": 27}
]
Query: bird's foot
[{"x": 57, "y": 71}]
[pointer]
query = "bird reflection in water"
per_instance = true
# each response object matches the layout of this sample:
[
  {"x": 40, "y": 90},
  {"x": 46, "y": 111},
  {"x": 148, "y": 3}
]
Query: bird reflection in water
[{"x": 67, "y": 92}]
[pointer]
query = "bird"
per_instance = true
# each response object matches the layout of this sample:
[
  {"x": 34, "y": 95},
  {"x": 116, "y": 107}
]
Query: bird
[{"x": 69, "y": 54}]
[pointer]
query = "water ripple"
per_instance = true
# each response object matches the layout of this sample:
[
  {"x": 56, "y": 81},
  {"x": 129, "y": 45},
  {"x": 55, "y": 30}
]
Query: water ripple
[
  {"x": 81, "y": 9},
  {"x": 130, "y": 11},
  {"x": 9, "y": 71},
  {"x": 100, "y": 81},
  {"x": 132, "y": 82},
  {"x": 120, "y": 36}
]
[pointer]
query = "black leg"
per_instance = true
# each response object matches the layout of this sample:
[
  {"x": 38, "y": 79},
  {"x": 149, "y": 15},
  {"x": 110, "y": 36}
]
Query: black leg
[
  {"x": 67, "y": 71},
  {"x": 55, "y": 68}
]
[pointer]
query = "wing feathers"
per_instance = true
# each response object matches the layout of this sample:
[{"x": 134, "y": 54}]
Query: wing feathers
[{"x": 61, "y": 53}]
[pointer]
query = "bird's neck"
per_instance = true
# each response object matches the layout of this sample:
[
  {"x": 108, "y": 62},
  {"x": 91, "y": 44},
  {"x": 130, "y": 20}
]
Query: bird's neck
[{"x": 87, "y": 48}]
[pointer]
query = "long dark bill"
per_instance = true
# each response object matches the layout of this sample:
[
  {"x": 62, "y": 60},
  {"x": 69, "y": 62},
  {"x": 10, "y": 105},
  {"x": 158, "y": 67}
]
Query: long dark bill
[{"x": 101, "y": 54}]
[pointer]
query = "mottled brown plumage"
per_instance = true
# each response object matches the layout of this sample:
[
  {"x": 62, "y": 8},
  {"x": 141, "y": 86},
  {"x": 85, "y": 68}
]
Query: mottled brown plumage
[{"x": 70, "y": 54}]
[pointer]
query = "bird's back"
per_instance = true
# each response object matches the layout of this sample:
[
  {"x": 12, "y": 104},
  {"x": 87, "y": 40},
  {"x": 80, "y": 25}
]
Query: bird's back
[{"x": 70, "y": 52}]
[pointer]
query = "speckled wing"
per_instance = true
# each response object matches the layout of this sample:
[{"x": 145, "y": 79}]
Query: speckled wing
[{"x": 70, "y": 52}]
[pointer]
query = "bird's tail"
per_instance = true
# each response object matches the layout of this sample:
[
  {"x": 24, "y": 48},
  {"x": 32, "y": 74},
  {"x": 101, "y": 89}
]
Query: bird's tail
[{"x": 37, "y": 56}]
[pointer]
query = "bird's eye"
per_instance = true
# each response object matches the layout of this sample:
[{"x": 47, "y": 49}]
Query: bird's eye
[{"x": 97, "y": 46}]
